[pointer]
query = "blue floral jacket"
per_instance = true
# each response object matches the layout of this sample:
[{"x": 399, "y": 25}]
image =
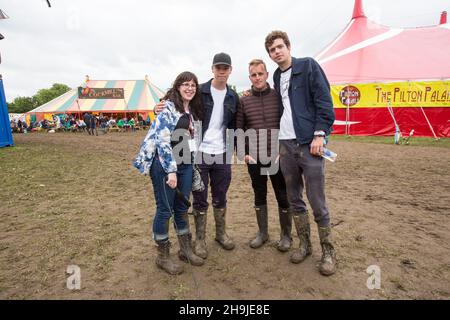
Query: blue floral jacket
[{"x": 158, "y": 140}]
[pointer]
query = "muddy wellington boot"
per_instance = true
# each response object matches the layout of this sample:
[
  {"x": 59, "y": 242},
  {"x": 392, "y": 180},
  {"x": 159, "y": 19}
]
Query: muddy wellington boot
[
  {"x": 263, "y": 235},
  {"x": 163, "y": 260},
  {"x": 303, "y": 228},
  {"x": 200, "y": 233},
  {"x": 186, "y": 253},
  {"x": 221, "y": 236},
  {"x": 327, "y": 264},
  {"x": 286, "y": 226}
]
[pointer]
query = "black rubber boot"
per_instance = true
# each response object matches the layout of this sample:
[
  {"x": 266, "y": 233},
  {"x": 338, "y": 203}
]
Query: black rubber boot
[
  {"x": 221, "y": 236},
  {"x": 285, "y": 242},
  {"x": 263, "y": 235}
]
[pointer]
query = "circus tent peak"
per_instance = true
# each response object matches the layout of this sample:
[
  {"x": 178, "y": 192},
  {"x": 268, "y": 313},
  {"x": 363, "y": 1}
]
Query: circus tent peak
[
  {"x": 443, "y": 19},
  {"x": 358, "y": 11},
  {"x": 367, "y": 51}
]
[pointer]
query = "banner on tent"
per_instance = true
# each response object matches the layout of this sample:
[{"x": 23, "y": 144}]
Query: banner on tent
[
  {"x": 396, "y": 94},
  {"x": 100, "y": 93}
]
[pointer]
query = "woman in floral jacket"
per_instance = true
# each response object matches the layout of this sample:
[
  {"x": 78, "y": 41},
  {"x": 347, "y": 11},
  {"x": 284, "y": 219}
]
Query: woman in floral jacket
[{"x": 169, "y": 170}]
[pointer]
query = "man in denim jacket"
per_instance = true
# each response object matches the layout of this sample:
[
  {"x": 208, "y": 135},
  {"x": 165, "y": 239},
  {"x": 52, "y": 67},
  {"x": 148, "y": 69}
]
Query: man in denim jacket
[
  {"x": 220, "y": 104},
  {"x": 307, "y": 118}
]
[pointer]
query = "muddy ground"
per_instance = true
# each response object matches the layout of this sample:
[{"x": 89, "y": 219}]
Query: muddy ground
[{"x": 72, "y": 199}]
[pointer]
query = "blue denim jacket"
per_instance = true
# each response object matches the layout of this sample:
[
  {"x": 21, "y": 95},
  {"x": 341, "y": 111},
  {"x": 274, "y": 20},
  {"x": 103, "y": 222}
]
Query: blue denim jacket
[
  {"x": 158, "y": 140},
  {"x": 310, "y": 98}
]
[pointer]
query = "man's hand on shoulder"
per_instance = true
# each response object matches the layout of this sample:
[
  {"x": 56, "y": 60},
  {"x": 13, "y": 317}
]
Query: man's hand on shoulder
[
  {"x": 246, "y": 93},
  {"x": 159, "y": 107}
]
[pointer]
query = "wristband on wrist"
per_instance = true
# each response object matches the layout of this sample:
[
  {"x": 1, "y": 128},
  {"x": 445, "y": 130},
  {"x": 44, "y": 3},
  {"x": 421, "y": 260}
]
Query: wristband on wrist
[{"x": 319, "y": 133}]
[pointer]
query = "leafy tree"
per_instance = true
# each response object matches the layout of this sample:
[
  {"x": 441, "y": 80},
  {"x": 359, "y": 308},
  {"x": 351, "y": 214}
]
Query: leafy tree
[
  {"x": 21, "y": 105},
  {"x": 25, "y": 104},
  {"x": 46, "y": 95}
]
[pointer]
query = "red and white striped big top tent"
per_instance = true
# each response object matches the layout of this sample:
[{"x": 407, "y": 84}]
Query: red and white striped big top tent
[{"x": 382, "y": 77}]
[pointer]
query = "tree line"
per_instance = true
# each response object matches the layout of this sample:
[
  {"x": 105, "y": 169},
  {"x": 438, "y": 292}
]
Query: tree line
[{"x": 25, "y": 104}]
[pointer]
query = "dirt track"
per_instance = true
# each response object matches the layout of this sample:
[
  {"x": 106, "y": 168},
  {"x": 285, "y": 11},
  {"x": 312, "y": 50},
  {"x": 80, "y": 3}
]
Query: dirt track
[{"x": 74, "y": 199}]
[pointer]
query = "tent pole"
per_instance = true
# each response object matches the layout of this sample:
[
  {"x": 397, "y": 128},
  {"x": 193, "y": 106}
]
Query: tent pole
[
  {"x": 126, "y": 106},
  {"x": 398, "y": 133},
  {"x": 429, "y": 124},
  {"x": 347, "y": 114},
  {"x": 79, "y": 110}
]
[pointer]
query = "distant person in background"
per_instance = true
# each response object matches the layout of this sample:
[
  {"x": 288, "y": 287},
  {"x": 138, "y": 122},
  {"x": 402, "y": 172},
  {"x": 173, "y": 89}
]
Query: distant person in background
[
  {"x": 73, "y": 124},
  {"x": 93, "y": 125},
  {"x": 14, "y": 127},
  {"x": 87, "y": 121},
  {"x": 81, "y": 125},
  {"x": 19, "y": 126},
  {"x": 57, "y": 121},
  {"x": 132, "y": 124},
  {"x": 111, "y": 122},
  {"x": 31, "y": 126},
  {"x": 102, "y": 121},
  {"x": 120, "y": 124},
  {"x": 45, "y": 124},
  {"x": 126, "y": 125}
]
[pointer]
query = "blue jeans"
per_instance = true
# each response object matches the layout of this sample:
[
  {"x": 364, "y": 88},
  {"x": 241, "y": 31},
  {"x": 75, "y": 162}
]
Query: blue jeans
[{"x": 167, "y": 200}]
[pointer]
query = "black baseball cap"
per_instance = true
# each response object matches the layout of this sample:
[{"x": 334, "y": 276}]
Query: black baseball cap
[{"x": 222, "y": 58}]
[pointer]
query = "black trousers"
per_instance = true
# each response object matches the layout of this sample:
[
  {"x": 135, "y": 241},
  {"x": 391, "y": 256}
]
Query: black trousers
[
  {"x": 259, "y": 184},
  {"x": 216, "y": 173}
]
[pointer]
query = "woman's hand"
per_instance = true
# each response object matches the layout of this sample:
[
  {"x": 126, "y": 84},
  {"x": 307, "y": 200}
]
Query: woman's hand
[
  {"x": 248, "y": 159},
  {"x": 172, "y": 180}
]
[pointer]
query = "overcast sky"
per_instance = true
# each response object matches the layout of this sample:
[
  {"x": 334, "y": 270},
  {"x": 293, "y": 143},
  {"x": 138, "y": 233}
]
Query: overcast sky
[{"x": 119, "y": 40}]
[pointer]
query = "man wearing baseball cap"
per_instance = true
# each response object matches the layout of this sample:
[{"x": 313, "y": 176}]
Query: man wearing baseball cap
[{"x": 220, "y": 104}]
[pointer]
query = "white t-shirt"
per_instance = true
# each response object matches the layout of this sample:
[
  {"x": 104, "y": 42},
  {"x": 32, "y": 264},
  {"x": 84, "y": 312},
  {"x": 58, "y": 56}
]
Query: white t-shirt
[
  {"x": 213, "y": 139},
  {"x": 287, "y": 131}
]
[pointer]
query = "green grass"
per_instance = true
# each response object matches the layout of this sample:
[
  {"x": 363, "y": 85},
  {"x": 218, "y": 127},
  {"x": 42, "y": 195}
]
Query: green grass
[{"x": 414, "y": 141}]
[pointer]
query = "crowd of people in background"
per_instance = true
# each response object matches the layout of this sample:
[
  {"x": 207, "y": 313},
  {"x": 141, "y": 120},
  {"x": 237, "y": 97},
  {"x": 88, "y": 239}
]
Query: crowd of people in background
[{"x": 87, "y": 122}]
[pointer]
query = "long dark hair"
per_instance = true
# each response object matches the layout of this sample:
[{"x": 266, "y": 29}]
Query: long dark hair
[{"x": 174, "y": 95}]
